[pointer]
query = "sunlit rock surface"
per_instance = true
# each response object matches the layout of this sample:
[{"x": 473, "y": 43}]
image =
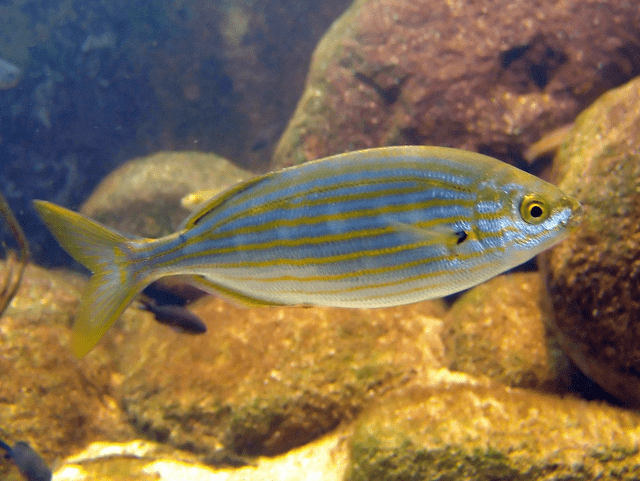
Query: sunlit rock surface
[
  {"x": 324, "y": 460},
  {"x": 485, "y": 77},
  {"x": 593, "y": 276}
]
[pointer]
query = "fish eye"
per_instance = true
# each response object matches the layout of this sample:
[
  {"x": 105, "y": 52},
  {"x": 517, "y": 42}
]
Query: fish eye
[{"x": 534, "y": 209}]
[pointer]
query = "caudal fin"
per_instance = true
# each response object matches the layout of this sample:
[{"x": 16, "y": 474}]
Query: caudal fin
[{"x": 104, "y": 252}]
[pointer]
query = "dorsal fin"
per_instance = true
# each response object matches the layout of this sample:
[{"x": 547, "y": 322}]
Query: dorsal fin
[{"x": 214, "y": 203}]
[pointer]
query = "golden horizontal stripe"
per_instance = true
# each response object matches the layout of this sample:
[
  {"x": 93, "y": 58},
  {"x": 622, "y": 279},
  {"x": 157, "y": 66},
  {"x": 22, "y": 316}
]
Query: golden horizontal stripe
[
  {"x": 209, "y": 236},
  {"x": 350, "y": 164},
  {"x": 210, "y": 233},
  {"x": 346, "y": 275},
  {"x": 286, "y": 201},
  {"x": 370, "y": 271},
  {"x": 340, "y": 216},
  {"x": 432, "y": 287},
  {"x": 384, "y": 284},
  {"x": 314, "y": 240}
]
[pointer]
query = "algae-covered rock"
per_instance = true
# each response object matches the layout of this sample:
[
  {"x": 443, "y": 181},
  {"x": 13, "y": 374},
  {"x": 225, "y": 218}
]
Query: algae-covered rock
[
  {"x": 143, "y": 196},
  {"x": 594, "y": 275},
  {"x": 497, "y": 330},
  {"x": 49, "y": 398},
  {"x": 265, "y": 380},
  {"x": 485, "y": 432},
  {"x": 485, "y": 77}
]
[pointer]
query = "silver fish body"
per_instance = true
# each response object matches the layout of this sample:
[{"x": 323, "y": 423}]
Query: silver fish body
[{"x": 372, "y": 228}]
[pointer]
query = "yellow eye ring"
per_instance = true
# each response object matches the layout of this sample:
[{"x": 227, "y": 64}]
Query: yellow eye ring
[{"x": 534, "y": 209}]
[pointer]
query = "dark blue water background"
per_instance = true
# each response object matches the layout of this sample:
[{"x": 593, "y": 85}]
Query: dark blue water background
[{"x": 104, "y": 82}]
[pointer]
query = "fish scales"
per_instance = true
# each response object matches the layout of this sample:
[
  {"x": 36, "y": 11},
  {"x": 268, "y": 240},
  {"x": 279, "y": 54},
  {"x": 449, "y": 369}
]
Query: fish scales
[
  {"x": 372, "y": 228},
  {"x": 259, "y": 215},
  {"x": 318, "y": 237}
]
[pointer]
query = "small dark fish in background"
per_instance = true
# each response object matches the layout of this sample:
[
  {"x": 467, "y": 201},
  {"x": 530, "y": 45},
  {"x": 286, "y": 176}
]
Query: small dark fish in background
[
  {"x": 30, "y": 464},
  {"x": 176, "y": 316}
]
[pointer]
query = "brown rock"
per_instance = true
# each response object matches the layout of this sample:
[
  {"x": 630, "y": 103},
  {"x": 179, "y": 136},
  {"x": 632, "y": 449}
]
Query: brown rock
[
  {"x": 265, "y": 380},
  {"x": 49, "y": 398},
  {"x": 143, "y": 196},
  {"x": 480, "y": 432},
  {"x": 460, "y": 74},
  {"x": 497, "y": 330},
  {"x": 594, "y": 275}
]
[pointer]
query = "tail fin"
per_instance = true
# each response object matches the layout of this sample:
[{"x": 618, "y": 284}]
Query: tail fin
[{"x": 104, "y": 252}]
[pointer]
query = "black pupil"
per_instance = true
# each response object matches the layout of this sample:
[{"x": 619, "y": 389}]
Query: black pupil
[{"x": 536, "y": 211}]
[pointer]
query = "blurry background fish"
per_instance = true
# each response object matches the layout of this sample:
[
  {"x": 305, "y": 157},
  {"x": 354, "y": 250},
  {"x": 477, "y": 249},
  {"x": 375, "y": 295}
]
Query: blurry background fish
[
  {"x": 175, "y": 316},
  {"x": 28, "y": 461}
]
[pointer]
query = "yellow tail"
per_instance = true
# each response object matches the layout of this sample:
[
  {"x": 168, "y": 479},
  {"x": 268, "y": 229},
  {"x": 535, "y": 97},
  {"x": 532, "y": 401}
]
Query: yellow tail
[{"x": 103, "y": 251}]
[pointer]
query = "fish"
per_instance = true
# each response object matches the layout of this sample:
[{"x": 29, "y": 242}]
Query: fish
[
  {"x": 364, "y": 229},
  {"x": 29, "y": 463},
  {"x": 178, "y": 317}
]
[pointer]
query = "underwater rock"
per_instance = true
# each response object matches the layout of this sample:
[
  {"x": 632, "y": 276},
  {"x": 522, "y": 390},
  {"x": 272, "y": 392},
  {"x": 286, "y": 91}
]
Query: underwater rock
[
  {"x": 497, "y": 330},
  {"x": 48, "y": 397},
  {"x": 46, "y": 297},
  {"x": 142, "y": 197},
  {"x": 460, "y": 74},
  {"x": 489, "y": 432},
  {"x": 594, "y": 276},
  {"x": 10, "y": 75},
  {"x": 266, "y": 380}
]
